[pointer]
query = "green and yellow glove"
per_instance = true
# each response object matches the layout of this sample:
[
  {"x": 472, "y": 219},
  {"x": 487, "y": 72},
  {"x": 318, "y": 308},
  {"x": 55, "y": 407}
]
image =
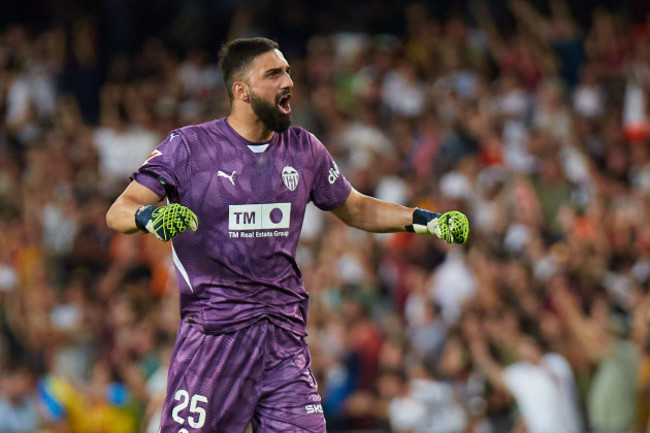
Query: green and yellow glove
[
  {"x": 165, "y": 222},
  {"x": 452, "y": 226}
]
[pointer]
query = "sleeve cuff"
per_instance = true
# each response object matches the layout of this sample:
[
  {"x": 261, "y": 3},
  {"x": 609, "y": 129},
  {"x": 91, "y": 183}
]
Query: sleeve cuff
[{"x": 150, "y": 182}]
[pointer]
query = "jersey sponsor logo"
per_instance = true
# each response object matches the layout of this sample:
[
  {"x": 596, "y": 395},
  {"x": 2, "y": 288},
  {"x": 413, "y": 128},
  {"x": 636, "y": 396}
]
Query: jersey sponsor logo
[
  {"x": 267, "y": 216},
  {"x": 290, "y": 177},
  {"x": 333, "y": 173},
  {"x": 227, "y": 176},
  {"x": 314, "y": 408},
  {"x": 154, "y": 154}
]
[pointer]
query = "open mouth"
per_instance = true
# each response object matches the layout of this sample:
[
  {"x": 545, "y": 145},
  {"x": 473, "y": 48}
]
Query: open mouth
[{"x": 283, "y": 104}]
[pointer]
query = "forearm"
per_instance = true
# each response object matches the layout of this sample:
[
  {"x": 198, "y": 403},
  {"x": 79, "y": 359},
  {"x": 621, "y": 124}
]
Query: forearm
[
  {"x": 494, "y": 373},
  {"x": 373, "y": 215},
  {"x": 594, "y": 341},
  {"x": 487, "y": 365},
  {"x": 121, "y": 216},
  {"x": 534, "y": 21}
]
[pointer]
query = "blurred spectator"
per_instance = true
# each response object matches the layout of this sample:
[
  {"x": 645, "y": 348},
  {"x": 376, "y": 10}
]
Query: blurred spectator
[
  {"x": 18, "y": 412},
  {"x": 542, "y": 384}
]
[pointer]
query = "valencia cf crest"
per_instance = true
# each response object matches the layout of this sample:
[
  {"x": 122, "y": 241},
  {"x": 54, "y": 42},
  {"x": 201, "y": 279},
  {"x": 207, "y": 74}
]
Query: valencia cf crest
[{"x": 290, "y": 177}]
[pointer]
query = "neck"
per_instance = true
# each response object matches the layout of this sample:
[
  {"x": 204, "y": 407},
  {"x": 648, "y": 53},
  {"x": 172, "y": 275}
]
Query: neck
[{"x": 249, "y": 126}]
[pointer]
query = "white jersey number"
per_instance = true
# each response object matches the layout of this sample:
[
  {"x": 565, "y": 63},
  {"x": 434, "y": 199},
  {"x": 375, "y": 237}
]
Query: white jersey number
[{"x": 197, "y": 417}]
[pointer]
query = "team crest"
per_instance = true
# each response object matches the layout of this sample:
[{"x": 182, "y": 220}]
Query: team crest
[{"x": 290, "y": 177}]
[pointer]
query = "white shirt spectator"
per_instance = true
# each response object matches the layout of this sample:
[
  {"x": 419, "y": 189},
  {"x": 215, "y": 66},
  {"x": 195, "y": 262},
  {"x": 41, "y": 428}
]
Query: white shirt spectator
[
  {"x": 393, "y": 189},
  {"x": 197, "y": 77},
  {"x": 513, "y": 103},
  {"x": 60, "y": 227},
  {"x": 561, "y": 369},
  {"x": 33, "y": 88},
  {"x": 362, "y": 140},
  {"x": 430, "y": 407},
  {"x": 122, "y": 152},
  {"x": 589, "y": 101},
  {"x": 18, "y": 417},
  {"x": 8, "y": 277},
  {"x": 545, "y": 395},
  {"x": 515, "y": 138},
  {"x": 453, "y": 283},
  {"x": 403, "y": 96}
]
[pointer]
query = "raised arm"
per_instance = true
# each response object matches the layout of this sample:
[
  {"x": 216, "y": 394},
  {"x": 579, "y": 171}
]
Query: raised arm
[
  {"x": 484, "y": 20},
  {"x": 535, "y": 22},
  {"x": 481, "y": 353},
  {"x": 374, "y": 215},
  {"x": 595, "y": 341},
  {"x": 378, "y": 216}
]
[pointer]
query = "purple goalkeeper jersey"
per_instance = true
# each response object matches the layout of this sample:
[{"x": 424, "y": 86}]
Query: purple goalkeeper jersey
[{"x": 239, "y": 266}]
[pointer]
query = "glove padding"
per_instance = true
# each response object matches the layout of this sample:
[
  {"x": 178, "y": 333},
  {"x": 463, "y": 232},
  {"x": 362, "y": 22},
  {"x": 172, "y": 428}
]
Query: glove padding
[
  {"x": 165, "y": 222},
  {"x": 452, "y": 226}
]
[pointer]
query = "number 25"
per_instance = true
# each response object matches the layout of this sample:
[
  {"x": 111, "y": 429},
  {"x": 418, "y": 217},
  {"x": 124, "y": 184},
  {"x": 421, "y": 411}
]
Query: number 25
[{"x": 183, "y": 397}]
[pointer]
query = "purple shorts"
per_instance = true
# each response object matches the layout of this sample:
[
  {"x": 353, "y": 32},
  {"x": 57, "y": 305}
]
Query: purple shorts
[{"x": 258, "y": 375}]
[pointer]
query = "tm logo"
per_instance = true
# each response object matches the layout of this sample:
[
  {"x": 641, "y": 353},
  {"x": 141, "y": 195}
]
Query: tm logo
[
  {"x": 314, "y": 408},
  {"x": 259, "y": 216},
  {"x": 245, "y": 218}
]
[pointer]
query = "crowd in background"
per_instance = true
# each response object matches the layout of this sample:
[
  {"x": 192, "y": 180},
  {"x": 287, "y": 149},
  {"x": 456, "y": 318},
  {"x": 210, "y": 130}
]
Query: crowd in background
[{"x": 540, "y": 323}]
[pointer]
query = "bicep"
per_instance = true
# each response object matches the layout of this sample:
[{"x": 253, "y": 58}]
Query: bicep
[
  {"x": 140, "y": 194},
  {"x": 350, "y": 209}
]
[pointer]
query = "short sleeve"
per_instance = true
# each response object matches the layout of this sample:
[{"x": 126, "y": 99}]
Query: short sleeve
[
  {"x": 165, "y": 171},
  {"x": 330, "y": 188}
]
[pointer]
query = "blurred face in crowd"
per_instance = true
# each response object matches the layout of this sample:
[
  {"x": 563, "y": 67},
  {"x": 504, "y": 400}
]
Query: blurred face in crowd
[
  {"x": 528, "y": 350},
  {"x": 551, "y": 326},
  {"x": 453, "y": 358},
  {"x": 15, "y": 385},
  {"x": 270, "y": 90}
]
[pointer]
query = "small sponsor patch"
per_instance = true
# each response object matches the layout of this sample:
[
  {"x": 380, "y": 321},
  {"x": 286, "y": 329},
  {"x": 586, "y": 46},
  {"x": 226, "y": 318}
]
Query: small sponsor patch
[
  {"x": 314, "y": 408},
  {"x": 154, "y": 154}
]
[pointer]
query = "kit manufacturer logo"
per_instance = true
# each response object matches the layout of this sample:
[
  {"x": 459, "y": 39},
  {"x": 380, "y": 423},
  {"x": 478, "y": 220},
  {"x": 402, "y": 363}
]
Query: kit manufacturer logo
[
  {"x": 334, "y": 173},
  {"x": 227, "y": 176}
]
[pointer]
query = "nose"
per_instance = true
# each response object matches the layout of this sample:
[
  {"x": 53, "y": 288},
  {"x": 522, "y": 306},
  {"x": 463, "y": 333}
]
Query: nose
[{"x": 287, "y": 83}]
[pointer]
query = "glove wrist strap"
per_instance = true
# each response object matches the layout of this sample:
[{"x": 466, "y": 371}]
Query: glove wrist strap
[
  {"x": 421, "y": 218},
  {"x": 143, "y": 216}
]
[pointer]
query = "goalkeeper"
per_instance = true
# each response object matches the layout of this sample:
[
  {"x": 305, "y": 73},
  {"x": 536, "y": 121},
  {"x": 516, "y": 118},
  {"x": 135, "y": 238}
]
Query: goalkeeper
[{"x": 236, "y": 191}]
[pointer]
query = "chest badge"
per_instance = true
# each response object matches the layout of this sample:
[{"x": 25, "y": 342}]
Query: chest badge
[{"x": 290, "y": 177}]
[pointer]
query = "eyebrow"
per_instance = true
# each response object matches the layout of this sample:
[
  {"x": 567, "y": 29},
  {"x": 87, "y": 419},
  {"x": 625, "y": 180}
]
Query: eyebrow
[{"x": 272, "y": 70}]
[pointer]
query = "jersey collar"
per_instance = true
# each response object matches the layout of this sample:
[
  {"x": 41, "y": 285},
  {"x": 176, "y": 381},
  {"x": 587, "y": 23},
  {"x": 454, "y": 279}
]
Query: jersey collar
[{"x": 251, "y": 145}]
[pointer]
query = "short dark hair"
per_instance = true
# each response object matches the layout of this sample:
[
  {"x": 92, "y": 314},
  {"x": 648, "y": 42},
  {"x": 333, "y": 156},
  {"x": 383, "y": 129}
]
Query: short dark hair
[{"x": 238, "y": 54}]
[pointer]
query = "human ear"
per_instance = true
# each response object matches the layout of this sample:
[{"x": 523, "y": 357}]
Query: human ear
[{"x": 241, "y": 91}]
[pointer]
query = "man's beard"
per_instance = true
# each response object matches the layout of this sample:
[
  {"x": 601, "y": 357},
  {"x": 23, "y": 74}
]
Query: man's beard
[{"x": 269, "y": 114}]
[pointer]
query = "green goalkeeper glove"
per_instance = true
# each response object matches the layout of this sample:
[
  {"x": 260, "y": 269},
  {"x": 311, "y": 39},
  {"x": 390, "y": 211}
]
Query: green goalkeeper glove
[
  {"x": 165, "y": 222},
  {"x": 451, "y": 226}
]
